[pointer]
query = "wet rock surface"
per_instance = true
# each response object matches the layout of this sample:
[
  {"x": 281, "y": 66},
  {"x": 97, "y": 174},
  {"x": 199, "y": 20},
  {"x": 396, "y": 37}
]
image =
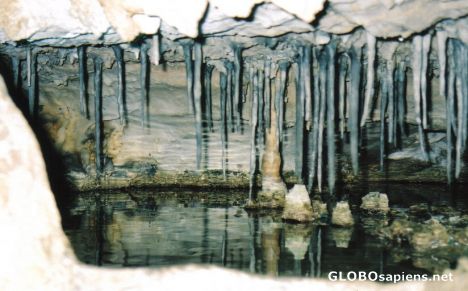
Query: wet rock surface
[
  {"x": 297, "y": 206},
  {"x": 341, "y": 215}
]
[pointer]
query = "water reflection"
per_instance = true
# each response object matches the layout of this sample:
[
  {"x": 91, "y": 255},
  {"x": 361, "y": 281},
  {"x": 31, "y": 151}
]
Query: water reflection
[{"x": 122, "y": 229}]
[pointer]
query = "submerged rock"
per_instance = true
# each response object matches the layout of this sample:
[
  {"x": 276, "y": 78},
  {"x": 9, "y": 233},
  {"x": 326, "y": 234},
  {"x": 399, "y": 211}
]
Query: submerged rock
[
  {"x": 430, "y": 236},
  {"x": 297, "y": 206},
  {"x": 375, "y": 202},
  {"x": 341, "y": 215}
]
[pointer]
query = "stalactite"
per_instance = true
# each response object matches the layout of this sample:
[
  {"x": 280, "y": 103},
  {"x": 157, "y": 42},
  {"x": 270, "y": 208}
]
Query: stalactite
[
  {"x": 208, "y": 97},
  {"x": 237, "y": 85},
  {"x": 323, "y": 65},
  {"x": 120, "y": 82},
  {"x": 98, "y": 113},
  {"x": 313, "y": 135},
  {"x": 223, "y": 130},
  {"x": 331, "y": 50},
  {"x": 253, "y": 125},
  {"x": 83, "y": 81},
  {"x": 442, "y": 55},
  {"x": 261, "y": 106},
  {"x": 307, "y": 86},
  {"x": 343, "y": 67},
  {"x": 32, "y": 82},
  {"x": 197, "y": 95},
  {"x": 460, "y": 57},
  {"x": 426, "y": 46},
  {"x": 229, "y": 96},
  {"x": 187, "y": 46},
  {"x": 371, "y": 50},
  {"x": 417, "y": 52},
  {"x": 15, "y": 65},
  {"x": 384, "y": 92},
  {"x": 400, "y": 99},
  {"x": 267, "y": 93},
  {"x": 283, "y": 73},
  {"x": 299, "y": 125},
  {"x": 449, "y": 108},
  {"x": 353, "y": 121},
  {"x": 391, "y": 100},
  {"x": 144, "y": 84}
]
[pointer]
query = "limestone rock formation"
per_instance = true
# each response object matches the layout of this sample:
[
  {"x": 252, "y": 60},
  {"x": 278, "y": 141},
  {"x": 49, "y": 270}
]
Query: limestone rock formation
[
  {"x": 297, "y": 206},
  {"x": 341, "y": 215},
  {"x": 375, "y": 202}
]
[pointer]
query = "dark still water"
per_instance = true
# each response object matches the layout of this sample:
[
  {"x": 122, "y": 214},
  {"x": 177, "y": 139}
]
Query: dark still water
[{"x": 160, "y": 228}]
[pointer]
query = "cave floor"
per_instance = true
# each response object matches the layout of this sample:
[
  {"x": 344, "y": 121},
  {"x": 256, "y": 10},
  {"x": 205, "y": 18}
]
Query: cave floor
[{"x": 165, "y": 227}]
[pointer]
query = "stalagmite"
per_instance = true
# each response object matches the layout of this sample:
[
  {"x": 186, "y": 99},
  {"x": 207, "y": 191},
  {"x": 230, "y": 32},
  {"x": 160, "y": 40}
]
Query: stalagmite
[
  {"x": 98, "y": 113},
  {"x": 223, "y": 130},
  {"x": 197, "y": 94},
  {"x": 32, "y": 82},
  {"x": 187, "y": 46},
  {"x": 417, "y": 52},
  {"x": 120, "y": 82},
  {"x": 426, "y": 46},
  {"x": 384, "y": 92},
  {"x": 208, "y": 97},
  {"x": 313, "y": 135},
  {"x": 299, "y": 125},
  {"x": 144, "y": 84},
  {"x": 343, "y": 67},
  {"x": 371, "y": 49},
  {"x": 331, "y": 49},
  {"x": 237, "y": 85},
  {"x": 155, "y": 50},
  {"x": 323, "y": 65},
  {"x": 253, "y": 125},
  {"x": 353, "y": 122},
  {"x": 83, "y": 81},
  {"x": 267, "y": 93}
]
